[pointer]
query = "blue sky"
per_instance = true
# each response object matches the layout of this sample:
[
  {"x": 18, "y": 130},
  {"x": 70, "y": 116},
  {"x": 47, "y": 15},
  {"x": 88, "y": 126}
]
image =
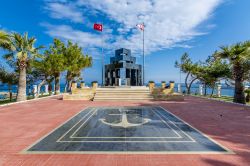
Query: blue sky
[{"x": 172, "y": 28}]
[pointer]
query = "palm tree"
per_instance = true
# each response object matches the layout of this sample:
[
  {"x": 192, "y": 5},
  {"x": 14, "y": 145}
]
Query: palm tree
[
  {"x": 238, "y": 56},
  {"x": 22, "y": 52},
  {"x": 4, "y": 40},
  {"x": 9, "y": 78}
]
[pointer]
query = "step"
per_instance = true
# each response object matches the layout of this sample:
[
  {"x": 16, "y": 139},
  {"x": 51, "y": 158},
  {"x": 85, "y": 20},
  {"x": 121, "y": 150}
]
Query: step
[
  {"x": 123, "y": 94},
  {"x": 131, "y": 97},
  {"x": 113, "y": 91},
  {"x": 122, "y": 99},
  {"x": 122, "y": 89}
]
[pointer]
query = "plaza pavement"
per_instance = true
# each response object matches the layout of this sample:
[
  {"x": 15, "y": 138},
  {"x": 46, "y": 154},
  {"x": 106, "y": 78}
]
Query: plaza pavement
[{"x": 23, "y": 124}]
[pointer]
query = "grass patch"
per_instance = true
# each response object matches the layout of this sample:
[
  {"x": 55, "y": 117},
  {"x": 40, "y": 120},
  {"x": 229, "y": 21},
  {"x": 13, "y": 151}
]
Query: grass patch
[
  {"x": 7, "y": 101},
  {"x": 222, "y": 98}
]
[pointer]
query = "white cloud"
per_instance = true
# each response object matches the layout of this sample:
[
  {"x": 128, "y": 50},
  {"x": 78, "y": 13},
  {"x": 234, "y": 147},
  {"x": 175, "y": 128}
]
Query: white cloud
[
  {"x": 64, "y": 11},
  {"x": 168, "y": 23},
  {"x": 89, "y": 42}
]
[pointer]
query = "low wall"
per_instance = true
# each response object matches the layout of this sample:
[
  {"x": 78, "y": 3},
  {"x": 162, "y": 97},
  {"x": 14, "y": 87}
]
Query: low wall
[{"x": 80, "y": 94}]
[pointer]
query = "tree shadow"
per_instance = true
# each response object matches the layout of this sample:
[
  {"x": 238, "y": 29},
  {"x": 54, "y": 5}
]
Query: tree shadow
[{"x": 217, "y": 162}]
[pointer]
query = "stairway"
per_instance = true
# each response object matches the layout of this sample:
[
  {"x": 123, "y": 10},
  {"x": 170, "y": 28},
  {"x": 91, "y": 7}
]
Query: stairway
[{"x": 122, "y": 94}]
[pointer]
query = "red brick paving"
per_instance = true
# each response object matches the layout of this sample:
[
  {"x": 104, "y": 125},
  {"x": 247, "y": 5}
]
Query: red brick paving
[{"x": 23, "y": 124}]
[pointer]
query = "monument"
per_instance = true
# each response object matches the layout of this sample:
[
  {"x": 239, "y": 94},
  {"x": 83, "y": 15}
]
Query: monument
[{"x": 123, "y": 70}]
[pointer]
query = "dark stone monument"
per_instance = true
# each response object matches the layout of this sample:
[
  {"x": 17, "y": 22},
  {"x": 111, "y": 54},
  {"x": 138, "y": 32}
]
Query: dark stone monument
[{"x": 123, "y": 70}]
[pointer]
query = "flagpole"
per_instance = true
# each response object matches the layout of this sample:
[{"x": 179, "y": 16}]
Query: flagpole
[
  {"x": 102, "y": 57},
  {"x": 102, "y": 65},
  {"x": 99, "y": 27},
  {"x": 143, "y": 71}
]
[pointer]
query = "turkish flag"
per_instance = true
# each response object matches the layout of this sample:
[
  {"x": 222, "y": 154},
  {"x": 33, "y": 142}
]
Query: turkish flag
[{"x": 98, "y": 27}]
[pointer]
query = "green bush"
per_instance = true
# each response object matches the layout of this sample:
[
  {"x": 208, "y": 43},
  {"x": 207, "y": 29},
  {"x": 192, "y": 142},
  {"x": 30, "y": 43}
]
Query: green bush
[{"x": 247, "y": 91}]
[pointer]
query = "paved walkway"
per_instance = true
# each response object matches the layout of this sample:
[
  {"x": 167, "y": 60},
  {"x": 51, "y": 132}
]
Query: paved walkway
[{"x": 23, "y": 124}]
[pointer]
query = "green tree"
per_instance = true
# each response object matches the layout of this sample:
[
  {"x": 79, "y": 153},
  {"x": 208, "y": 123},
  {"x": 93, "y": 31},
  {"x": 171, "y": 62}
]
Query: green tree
[
  {"x": 191, "y": 69},
  {"x": 212, "y": 72},
  {"x": 238, "y": 56},
  {"x": 55, "y": 60},
  {"x": 9, "y": 78},
  {"x": 22, "y": 52},
  {"x": 42, "y": 71},
  {"x": 74, "y": 61}
]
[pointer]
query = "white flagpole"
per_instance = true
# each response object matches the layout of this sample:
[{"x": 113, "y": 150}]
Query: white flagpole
[
  {"x": 143, "y": 71},
  {"x": 102, "y": 57},
  {"x": 102, "y": 66}
]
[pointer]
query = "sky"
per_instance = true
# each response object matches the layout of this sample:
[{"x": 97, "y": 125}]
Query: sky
[{"x": 172, "y": 27}]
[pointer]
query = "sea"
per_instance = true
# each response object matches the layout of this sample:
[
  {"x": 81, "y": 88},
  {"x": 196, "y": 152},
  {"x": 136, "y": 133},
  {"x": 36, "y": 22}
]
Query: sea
[{"x": 225, "y": 90}]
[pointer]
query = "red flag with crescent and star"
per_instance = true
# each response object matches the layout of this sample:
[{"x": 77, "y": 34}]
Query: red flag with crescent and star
[{"x": 98, "y": 27}]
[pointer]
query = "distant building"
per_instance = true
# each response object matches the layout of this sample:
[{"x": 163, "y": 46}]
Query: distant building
[{"x": 123, "y": 70}]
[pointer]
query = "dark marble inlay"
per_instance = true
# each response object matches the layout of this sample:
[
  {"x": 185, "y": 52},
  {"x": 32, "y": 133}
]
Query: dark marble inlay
[{"x": 123, "y": 129}]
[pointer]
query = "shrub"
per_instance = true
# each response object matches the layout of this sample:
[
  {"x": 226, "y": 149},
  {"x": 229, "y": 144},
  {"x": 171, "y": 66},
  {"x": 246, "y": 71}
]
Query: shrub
[{"x": 247, "y": 91}]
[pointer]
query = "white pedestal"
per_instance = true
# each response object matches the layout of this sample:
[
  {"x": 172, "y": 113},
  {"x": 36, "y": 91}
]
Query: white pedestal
[
  {"x": 219, "y": 90},
  {"x": 119, "y": 82},
  {"x": 179, "y": 88},
  {"x": 46, "y": 89},
  {"x": 201, "y": 89},
  {"x": 34, "y": 89}
]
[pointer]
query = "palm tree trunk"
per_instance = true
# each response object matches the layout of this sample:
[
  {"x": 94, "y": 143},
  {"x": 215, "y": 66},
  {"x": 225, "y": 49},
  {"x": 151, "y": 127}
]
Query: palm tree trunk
[
  {"x": 22, "y": 85},
  {"x": 239, "y": 95},
  {"x": 57, "y": 83},
  {"x": 10, "y": 91}
]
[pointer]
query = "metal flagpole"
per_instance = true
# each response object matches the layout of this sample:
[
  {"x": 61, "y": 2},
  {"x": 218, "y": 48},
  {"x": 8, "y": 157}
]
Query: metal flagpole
[
  {"x": 143, "y": 71},
  {"x": 102, "y": 66},
  {"x": 102, "y": 57}
]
